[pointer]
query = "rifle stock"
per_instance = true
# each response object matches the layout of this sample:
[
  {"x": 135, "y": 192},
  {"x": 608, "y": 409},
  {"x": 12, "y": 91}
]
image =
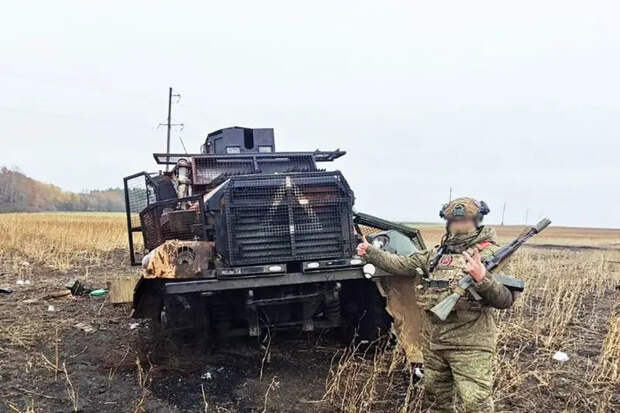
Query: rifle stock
[{"x": 443, "y": 309}]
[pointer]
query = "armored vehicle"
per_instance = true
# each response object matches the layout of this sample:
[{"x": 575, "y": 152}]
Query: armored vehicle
[{"x": 241, "y": 238}]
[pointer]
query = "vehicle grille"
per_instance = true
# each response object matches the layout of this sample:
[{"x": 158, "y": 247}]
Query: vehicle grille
[{"x": 289, "y": 217}]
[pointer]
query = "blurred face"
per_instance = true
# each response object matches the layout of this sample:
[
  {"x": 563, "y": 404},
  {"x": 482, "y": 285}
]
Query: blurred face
[{"x": 461, "y": 226}]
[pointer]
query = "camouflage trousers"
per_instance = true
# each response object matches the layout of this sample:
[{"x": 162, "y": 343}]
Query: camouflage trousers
[{"x": 465, "y": 373}]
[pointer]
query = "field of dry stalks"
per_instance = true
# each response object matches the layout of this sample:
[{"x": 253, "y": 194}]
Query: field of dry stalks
[
  {"x": 570, "y": 305},
  {"x": 49, "y": 361}
]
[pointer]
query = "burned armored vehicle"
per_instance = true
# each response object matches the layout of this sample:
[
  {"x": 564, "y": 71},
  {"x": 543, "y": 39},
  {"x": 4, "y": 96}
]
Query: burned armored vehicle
[{"x": 240, "y": 238}]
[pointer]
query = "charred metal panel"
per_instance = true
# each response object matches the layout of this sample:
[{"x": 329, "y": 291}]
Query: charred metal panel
[{"x": 180, "y": 219}]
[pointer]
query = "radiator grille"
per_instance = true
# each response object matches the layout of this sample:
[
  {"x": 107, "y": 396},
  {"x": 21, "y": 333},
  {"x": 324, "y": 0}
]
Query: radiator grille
[{"x": 292, "y": 217}]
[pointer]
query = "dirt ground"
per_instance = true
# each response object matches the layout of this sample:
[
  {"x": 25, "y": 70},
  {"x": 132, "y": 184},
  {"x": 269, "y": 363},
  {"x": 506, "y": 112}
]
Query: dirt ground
[
  {"x": 47, "y": 359},
  {"x": 63, "y": 354}
]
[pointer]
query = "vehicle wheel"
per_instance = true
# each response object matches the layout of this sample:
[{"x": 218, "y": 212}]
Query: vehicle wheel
[
  {"x": 364, "y": 313},
  {"x": 375, "y": 320}
]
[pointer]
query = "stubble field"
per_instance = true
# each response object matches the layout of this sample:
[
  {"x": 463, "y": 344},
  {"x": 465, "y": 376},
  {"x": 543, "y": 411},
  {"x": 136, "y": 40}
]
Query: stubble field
[{"x": 60, "y": 353}]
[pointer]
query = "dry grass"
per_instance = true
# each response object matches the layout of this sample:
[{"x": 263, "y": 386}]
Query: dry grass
[
  {"x": 60, "y": 240},
  {"x": 34, "y": 246},
  {"x": 374, "y": 378},
  {"x": 568, "y": 305}
]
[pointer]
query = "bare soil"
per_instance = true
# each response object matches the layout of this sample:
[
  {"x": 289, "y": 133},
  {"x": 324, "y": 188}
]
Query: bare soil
[
  {"x": 117, "y": 368},
  {"x": 48, "y": 363}
]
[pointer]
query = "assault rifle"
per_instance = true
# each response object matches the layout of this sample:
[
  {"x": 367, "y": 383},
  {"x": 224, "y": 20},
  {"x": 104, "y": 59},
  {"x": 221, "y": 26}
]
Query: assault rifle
[{"x": 445, "y": 306}]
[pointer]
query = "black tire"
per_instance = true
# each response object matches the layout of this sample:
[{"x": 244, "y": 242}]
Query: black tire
[{"x": 364, "y": 314}]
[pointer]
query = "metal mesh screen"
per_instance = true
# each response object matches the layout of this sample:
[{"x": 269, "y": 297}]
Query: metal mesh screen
[
  {"x": 139, "y": 193},
  {"x": 291, "y": 217},
  {"x": 209, "y": 169},
  {"x": 286, "y": 164},
  {"x": 367, "y": 230},
  {"x": 172, "y": 219}
]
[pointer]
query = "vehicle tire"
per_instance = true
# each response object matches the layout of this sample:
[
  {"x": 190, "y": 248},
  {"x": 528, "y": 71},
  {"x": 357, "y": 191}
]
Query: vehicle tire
[{"x": 364, "y": 314}]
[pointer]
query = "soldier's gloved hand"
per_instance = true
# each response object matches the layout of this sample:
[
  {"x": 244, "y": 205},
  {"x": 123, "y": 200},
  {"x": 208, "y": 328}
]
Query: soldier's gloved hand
[
  {"x": 362, "y": 248},
  {"x": 474, "y": 266}
]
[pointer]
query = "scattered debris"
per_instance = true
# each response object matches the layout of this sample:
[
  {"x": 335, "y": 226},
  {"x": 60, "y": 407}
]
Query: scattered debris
[
  {"x": 418, "y": 373},
  {"x": 77, "y": 287},
  {"x": 560, "y": 356},
  {"x": 121, "y": 290},
  {"x": 87, "y": 328},
  {"x": 23, "y": 282},
  {"x": 51, "y": 308},
  {"x": 133, "y": 326},
  {"x": 5, "y": 290},
  {"x": 98, "y": 293},
  {"x": 207, "y": 376},
  {"x": 55, "y": 295},
  {"x": 47, "y": 297}
]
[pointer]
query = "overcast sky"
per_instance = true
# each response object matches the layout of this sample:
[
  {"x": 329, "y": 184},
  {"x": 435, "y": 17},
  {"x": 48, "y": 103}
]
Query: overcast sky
[{"x": 509, "y": 102}]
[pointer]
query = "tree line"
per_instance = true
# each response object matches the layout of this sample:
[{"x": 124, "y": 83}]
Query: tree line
[{"x": 20, "y": 193}]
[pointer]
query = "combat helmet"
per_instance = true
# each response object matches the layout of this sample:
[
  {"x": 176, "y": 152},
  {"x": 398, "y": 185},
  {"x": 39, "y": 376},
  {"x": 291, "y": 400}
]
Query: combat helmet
[{"x": 464, "y": 207}]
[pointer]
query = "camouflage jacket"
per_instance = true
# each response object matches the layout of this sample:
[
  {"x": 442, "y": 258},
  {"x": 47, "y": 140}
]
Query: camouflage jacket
[{"x": 471, "y": 324}]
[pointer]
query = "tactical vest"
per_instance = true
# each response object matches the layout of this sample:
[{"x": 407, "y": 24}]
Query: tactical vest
[{"x": 440, "y": 283}]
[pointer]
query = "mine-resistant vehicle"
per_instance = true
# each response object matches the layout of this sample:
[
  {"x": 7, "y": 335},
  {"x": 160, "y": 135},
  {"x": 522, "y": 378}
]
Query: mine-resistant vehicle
[{"x": 241, "y": 238}]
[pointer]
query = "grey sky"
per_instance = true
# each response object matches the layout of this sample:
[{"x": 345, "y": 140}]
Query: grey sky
[{"x": 515, "y": 102}]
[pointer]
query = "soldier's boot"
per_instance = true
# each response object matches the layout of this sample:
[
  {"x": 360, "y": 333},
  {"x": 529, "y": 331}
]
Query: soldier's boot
[
  {"x": 472, "y": 371},
  {"x": 438, "y": 383}
]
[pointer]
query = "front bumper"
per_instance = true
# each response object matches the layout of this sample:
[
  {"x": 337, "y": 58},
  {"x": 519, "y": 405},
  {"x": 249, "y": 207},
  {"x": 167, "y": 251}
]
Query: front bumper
[{"x": 261, "y": 281}]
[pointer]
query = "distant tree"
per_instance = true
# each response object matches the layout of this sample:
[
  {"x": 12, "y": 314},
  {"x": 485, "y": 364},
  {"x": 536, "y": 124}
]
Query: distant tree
[{"x": 20, "y": 193}]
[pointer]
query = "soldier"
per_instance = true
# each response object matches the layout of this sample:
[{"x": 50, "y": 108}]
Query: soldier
[{"x": 458, "y": 352}]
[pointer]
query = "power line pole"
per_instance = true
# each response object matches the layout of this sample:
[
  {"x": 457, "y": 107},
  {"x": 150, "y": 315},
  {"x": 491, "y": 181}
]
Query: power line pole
[
  {"x": 169, "y": 124},
  {"x": 503, "y": 214},
  {"x": 450, "y": 196}
]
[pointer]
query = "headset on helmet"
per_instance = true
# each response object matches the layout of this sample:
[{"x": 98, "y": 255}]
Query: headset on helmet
[{"x": 481, "y": 206}]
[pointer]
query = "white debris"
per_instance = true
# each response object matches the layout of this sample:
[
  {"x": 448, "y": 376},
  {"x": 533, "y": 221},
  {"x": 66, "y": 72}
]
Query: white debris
[
  {"x": 419, "y": 373},
  {"x": 207, "y": 376},
  {"x": 20, "y": 282},
  {"x": 51, "y": 308},
  {"x": 560, "y": 356},
  {"x": 27, "y": 282},
  {"x": 87, "y": 328},
  {"x": 133, "y": 326}
]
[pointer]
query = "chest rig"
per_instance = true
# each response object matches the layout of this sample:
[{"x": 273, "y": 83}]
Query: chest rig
[{"x": 443, "y": 275}]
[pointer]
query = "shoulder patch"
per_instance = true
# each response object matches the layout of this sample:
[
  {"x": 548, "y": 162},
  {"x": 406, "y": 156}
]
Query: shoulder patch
[
  {"x": 446, "y": 260},
  {"x": 485, "y": 244}
]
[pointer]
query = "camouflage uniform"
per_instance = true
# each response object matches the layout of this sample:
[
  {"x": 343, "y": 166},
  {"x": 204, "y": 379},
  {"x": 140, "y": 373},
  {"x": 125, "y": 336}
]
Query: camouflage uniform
[{"x": 458, "y": 353}]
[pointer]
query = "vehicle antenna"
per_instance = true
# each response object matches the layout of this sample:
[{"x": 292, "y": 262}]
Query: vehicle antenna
[{"x": 183, "y": 143}]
